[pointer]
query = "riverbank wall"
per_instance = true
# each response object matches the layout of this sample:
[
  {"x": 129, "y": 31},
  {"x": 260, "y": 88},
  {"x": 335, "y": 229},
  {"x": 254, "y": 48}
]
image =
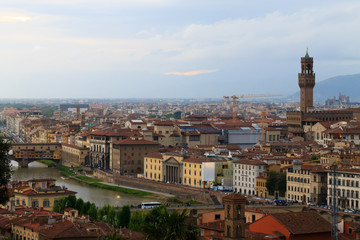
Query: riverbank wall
[{"x": 181, "y": 192}]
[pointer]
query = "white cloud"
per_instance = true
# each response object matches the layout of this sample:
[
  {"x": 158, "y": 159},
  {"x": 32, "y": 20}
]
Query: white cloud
[
  {"x": 249, "y": 46},
  {"x": 192, "y": 73},
  {"x": 14, "y": 18}
]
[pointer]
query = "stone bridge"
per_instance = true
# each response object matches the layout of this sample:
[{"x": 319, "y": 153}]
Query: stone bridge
[{"x": 24, "y": 153}]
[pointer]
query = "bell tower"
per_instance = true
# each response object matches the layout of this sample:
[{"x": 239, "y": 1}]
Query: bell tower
[
  {"x": 306, "y": 83},
  {"x": 234, "y": 205}
]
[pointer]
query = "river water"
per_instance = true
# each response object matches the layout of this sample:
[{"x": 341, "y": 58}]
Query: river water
[{"x": 88, "y": 193}]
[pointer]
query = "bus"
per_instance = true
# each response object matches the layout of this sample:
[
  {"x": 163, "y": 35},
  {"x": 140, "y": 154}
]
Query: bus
[{"x": 149, "y": 205}]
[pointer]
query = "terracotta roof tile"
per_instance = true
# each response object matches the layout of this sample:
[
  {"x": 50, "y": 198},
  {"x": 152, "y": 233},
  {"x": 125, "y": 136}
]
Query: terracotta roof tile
[
  {"x": 302, "y": 222},
  {"x": 134, "y": 142}
]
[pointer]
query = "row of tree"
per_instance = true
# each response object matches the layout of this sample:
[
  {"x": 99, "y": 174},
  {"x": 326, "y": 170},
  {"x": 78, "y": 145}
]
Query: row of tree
[
  {"x": 157, "y": 224},
  {"x": 116, "y": 218}
]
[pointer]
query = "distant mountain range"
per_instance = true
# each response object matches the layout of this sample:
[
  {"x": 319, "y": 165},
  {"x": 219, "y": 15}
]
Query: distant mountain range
[{"x": 328, "y": 88}]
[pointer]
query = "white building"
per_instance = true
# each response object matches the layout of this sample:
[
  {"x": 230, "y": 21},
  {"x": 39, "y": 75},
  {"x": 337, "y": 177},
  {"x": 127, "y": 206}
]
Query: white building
[
  {"x": 245, "y": 173},
  {"x": 347, "y": 188}
]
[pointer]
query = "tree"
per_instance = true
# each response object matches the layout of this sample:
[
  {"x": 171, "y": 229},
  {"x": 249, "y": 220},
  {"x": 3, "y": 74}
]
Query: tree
[
  {"x": 103, "y": 213},
  {"x": 123, "y": 216},
  {"x": 271, "y": 182},
  {"x": 315, "y": 159},
  {"x": 160, "y": 224},
  {"x": 111, "y": 215},
  {"x": 59, "y": 206},
  {"x": 86, "y": 207},
  {"x": 93, "y": 212},
  {"x": 47, "y": 112},
  {"x": 79, "y": 205},
  {"x": 5, "y": 171},
  {"x": 281, "y": 184},
  {"x": 137, "y": 221},
  {"x": 70, "y": 201},
  {"x": 276, "y": 182}
]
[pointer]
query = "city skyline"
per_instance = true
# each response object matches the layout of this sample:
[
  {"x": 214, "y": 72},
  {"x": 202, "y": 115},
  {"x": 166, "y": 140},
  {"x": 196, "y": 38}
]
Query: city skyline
[{"x": 166, "y": 49}]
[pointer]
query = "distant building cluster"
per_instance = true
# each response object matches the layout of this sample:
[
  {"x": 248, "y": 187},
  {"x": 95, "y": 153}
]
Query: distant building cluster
[{"x": 342, "y": 100}]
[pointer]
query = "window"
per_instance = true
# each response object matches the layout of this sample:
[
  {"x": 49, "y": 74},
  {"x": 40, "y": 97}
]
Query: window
[{"x": 46, "y": 203}]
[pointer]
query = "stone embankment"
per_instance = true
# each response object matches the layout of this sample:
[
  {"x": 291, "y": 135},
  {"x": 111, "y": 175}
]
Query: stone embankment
[{"x": 181, "y": 192}]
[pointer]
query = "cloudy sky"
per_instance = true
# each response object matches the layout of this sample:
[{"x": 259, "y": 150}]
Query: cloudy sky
[{"x": 171, "y": 48}]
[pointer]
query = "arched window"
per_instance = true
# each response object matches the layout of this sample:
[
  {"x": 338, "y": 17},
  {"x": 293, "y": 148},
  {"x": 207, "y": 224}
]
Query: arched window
[{"x": 238, "y": 210}]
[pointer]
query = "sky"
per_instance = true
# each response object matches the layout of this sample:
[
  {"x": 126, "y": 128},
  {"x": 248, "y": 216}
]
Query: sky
[{"x": 171, "y": 48}]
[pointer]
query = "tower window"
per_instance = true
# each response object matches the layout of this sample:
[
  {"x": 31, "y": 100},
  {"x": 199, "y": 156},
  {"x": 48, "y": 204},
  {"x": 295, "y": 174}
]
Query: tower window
[{"x": 308, "y": 69}]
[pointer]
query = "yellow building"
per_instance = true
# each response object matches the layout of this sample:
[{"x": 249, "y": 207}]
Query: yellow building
[
  {"x": 261, "y": 189},
  {"x": 42, "y": 193},
  {"x": 174, "y": 168},
  {"x": 306, "y": 183},
  {"x": 74, "y": 155},
  {"x": 164, "y": 167},
  {"x": 223, "y": 171},
  {"x": 153, "y": 166},
  {"x": 192, "y": 171},
  {"x": 25, "y": 232}
]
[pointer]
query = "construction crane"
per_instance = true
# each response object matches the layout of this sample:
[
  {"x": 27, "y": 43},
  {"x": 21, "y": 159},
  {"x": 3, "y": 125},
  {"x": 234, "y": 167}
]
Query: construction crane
[
  {"x": 235, "y": 97},
  {"x": 262, "y": 123}
]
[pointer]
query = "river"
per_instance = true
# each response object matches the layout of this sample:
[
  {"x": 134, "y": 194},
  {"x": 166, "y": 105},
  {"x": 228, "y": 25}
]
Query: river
[{"x": 88, "y": 193}]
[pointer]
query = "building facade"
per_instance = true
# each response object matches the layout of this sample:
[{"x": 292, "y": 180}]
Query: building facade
[
  {"x": 306, "y": 184},
  {"x": 127, "y": 156},
  {"x": 245, "y": 173}
]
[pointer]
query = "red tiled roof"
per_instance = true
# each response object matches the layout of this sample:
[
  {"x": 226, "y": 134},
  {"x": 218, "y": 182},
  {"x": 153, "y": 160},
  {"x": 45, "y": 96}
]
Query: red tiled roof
[
  {"x": 74, "y": 146},
  {"x": 155, "y": 155},
  {"x": 198, "y": 160},
  {"x": 134, "y": 142},
  {"x": 214, "y": 226},
  {"x": 41, "y": 180},
  {"x": 33, "y": 192},
  {"x": 250, "y": 162},
  {"x": 4, "y": 211},
  {"x": 302, "y": 222},
  {"x": 164, "y": 123}
]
